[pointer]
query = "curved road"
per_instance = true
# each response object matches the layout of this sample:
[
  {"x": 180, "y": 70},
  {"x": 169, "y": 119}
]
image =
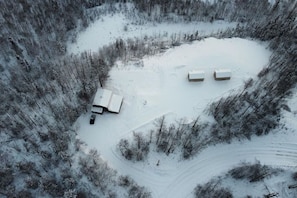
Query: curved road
[{"x": 178, "y": 179}]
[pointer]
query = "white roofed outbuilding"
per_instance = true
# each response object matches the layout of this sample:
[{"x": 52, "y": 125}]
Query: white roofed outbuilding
[
  {"x": 222, "y": 74},
  {"x": 196, "y": 75},
  {"x": 98, "y": 110}
]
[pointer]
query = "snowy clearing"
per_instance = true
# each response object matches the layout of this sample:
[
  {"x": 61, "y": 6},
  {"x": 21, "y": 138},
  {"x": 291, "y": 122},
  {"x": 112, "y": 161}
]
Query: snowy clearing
[
  {"x": 110, "y": 28},
  {"x": 159, "y": 86},
  {"x": 174, "y": 178}
]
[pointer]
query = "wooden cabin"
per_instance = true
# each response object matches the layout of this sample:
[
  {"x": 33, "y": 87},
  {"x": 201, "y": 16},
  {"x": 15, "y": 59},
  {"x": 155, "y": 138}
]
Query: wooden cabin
[{"x": 106, "y": 100}]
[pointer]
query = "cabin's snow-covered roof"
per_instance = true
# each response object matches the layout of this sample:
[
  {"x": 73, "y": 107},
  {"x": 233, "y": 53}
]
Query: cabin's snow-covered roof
[
  {"x": 102, "y": 98},
  {"x": 106, "y": 99},
  {"x": 196, "y": 75},
  {"x": 115, "y": 103},
  {"x": 223, "y": 73}
]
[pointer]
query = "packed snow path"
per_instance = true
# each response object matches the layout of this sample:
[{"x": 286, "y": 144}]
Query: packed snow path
[
  {"x": 173, "y": 178},
  {"x": 158, "y": 86},
  {"x": 109, "y": 28}
]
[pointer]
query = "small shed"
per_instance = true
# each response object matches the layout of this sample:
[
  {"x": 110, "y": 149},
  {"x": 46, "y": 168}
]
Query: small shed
[
  {"x": 222, "y": 74},
  {"x": 196, "y": 75},
  {"x": 98, "y": 110}
]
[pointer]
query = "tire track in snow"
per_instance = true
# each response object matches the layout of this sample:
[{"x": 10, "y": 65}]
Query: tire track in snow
[
  {"x": 209, "y": 164},
  {"x": 140, "y": 173},
  {"x": 206, "y": 165},
  {"x": 141, "y": 124}
]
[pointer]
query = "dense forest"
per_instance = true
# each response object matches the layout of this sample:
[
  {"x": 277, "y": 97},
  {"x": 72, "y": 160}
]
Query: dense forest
[{"x": 44, "y": 89}]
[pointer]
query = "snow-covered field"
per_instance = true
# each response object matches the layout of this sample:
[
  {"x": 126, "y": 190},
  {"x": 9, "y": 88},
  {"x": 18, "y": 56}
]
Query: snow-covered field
[
  {"x": 110, "y": 28},
  {"x": 158, "y": 87}
]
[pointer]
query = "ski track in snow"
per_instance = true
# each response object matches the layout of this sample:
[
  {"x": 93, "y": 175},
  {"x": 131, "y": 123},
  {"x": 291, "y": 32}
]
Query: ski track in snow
[
  {"x": 151, "y": 92},
  {"x": 143, "y": 124},
  {"x": 221, "y": 161},
  {"x": 113, "y": 25},
  {"x": 180, "y": 180}
]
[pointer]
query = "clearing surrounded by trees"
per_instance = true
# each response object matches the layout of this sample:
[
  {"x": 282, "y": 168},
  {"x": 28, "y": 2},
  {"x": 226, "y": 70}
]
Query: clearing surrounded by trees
[
  {"x": 199, "y": 100},
  {"x": 157, "y": 86}
]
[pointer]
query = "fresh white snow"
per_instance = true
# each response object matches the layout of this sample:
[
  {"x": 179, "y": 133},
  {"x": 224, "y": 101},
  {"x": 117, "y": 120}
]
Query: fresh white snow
[
  {"x": 160, "y": 87},
  {"x": 115, "y": 103},
  {"x": 102, "y": 97},
  {"x": 106, "y": 99},
  {"x": 111, "y": 27}
]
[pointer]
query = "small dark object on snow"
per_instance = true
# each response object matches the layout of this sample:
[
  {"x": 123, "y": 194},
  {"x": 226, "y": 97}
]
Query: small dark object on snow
[{"x": 92, "y": 119}]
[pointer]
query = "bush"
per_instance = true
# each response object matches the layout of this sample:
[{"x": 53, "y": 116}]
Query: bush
[
  {"x": 124, "y": 181},
  {"x": 138, "y": 192},
  {"x": 134, "y": 190},
  {"x": 253, "y": 173},
  {"x": 52, "y": 187},
  {"x": 32, "y": 183},
  {"x": 125, "y": 150},
  {"x": 137, "y": 150},
  {"x": 294, "y": 176},
  {"x": 24, "y": 194},
  {"x": 97, "y": 171},
  {"x": 26, "y": 167},
  {"x": 212, "y": 190},
  {"x": 81, "y": 194},
  {"x": 6, "y": 178}
]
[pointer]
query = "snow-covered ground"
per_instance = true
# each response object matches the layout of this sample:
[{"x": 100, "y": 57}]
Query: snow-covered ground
[
  {"x": 109, "y": 28},
  {"x": 159, "y": 86},
  {"x": 174, "y": 178}
]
